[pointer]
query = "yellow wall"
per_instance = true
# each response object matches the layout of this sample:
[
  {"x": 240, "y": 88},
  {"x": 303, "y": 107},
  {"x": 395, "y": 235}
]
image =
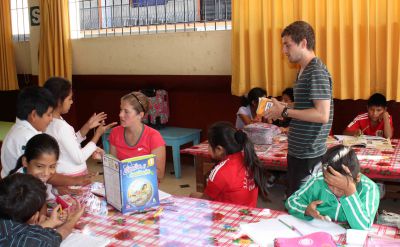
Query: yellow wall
[{"x": 190, "y": 53}]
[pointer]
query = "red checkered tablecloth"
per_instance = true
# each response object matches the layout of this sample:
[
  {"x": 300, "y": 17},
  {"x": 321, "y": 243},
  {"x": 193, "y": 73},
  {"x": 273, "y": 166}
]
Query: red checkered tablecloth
[
  {"x": 274, "y": 157},
  {"x": 189, "y": 222}
]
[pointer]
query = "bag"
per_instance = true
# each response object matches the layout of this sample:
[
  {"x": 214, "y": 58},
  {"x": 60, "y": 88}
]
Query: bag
[
  {"x": 315, "y": 239},
  {"x": 158, "y": 113},
  {"x": 261, "y": 133}
]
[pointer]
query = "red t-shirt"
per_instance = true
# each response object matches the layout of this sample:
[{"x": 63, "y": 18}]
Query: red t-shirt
[
  {"x": 362, "y": 122},
  {"x": 150, "y": 140},
  {"x": 230, "y": 182}
]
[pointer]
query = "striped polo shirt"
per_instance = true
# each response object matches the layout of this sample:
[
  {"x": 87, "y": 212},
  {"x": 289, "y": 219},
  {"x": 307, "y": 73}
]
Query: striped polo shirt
[{"x": 307, "y": 139}]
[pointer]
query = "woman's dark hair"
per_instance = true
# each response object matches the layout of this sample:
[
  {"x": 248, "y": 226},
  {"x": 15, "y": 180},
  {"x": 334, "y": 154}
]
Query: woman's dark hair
[
  {"x": 225, "y": 135},
  {"x": 59, "y": 87},
  {"x": 21, "y": 196},
  {"x": 340, "y": 155},
  {"x": 253, "y": 95},
  {"x": 289, "y": 92},
  {"x": 36, "y": 146}
]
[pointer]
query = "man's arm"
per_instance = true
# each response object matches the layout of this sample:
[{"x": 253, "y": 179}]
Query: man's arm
[{"x": 318, "y": 114}]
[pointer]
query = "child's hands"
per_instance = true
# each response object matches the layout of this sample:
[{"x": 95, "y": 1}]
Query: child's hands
[
  {"x": 64, "y": 190},
  {"x": 84, "y": 179},
  {"x": 98, "y": 154},
  {"x": 312, "y": 211},
  {"x": 75, "y": 211},
  {"x": 385, "y": 116},
  {"x": 57, "y": 218},
  {"x": 96, "y": 120},
  {"x": 340, "y": 181},
  {"x": 102, "y": 128}
]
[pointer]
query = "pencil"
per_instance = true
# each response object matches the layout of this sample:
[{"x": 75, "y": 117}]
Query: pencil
[{"x": 291, "y": 227}]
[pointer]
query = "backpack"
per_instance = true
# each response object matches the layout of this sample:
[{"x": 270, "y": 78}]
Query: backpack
[{"x": 158, "y": 113}]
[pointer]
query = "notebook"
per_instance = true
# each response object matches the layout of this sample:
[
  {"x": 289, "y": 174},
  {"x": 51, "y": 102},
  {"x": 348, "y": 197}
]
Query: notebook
[
  {"x": 287, "y": 226},
  {"x": 77, "y": 239}
]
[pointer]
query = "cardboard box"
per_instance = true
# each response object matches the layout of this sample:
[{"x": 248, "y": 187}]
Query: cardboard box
[{"x": 131, "y": 184}]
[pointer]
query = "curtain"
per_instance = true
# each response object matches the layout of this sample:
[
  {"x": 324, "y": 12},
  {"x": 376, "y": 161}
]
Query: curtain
[
  {"x": 55, "y": 52},
  {"x": 8, "y": 71},
  {"x": 358, "y": 40}
]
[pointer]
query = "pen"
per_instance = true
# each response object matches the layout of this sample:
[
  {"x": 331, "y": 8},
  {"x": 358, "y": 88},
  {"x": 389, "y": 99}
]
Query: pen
[
  {"x": 159, "y": 211},
  {"x": 291, "y": 227}
]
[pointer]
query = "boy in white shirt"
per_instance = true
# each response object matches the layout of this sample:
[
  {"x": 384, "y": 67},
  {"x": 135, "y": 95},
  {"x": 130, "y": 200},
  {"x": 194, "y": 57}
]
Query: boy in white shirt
[{"x": 34, "y": 113}]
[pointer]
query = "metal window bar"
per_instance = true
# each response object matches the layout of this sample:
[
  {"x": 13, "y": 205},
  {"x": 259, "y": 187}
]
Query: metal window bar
[
  {"x": 19, "y": 22},
  {"x": 123, "y": 17}
]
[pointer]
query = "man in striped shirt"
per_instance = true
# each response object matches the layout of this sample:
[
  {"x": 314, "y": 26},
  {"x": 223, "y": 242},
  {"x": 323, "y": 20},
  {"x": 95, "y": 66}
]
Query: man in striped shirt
[{"x": 313, "y": 105}]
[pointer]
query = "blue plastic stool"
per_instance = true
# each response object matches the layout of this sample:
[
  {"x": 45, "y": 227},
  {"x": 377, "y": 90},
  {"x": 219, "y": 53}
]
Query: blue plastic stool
[{"x": 174, "y": 137}]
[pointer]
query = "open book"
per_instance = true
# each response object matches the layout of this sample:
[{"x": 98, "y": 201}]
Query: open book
[
  {"x": 287, "y": 226},
  {"x": 365, "y": 141}
]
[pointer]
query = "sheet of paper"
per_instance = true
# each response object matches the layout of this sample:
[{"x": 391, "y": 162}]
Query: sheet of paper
[
  {"x": 315, "y": 225},
  {"x": 265, "y": 231},
  {"x": 163, "y": 195},
  {"x": 83, "y": 240}
]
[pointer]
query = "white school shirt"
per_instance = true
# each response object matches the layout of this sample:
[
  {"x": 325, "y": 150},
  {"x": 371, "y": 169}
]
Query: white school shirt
[
  {"x": 73, "y": 157},
  {"x": 14, "y": 144},
  {"x": 243, "y": 110}
]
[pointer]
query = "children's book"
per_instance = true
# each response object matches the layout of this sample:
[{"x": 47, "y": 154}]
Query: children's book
[
  {"x": 131, "y": 184},
  {"x": 263, "y": 105},
  {"x": 287, "y": 226},
  {"x": 365, "y": 141}
]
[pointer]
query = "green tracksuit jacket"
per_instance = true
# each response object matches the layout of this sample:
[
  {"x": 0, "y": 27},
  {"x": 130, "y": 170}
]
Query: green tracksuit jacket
[{"x": 358, "y": 209}]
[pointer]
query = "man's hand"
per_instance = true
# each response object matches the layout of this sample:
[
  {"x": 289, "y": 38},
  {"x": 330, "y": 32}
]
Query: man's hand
[
  {"x": 312, "y": 211},
  {"x": 275, "y": 111}
]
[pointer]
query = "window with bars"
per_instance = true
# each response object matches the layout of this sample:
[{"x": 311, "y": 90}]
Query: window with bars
[
  {"x": 94, "y": 18},
  {"x": 19, "y": 19}
]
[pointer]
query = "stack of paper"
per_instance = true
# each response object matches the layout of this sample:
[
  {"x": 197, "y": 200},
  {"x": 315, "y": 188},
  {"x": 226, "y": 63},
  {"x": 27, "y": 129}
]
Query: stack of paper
[{"x": 287, "y": 226}]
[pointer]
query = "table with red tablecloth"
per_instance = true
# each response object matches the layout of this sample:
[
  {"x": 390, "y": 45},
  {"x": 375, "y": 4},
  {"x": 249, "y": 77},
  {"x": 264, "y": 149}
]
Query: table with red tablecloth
[
  {"x": 188, "y": 222},
  {"x": 376, "y": 164}
]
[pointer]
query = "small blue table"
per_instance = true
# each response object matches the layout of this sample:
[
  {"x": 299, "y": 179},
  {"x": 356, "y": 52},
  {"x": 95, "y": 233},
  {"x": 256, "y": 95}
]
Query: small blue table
[{"x": 174, "y": 137}]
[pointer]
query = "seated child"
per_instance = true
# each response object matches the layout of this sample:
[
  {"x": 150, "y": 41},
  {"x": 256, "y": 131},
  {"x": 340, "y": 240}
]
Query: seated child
[
  {"x": 238, "y": 175},
  {"x": 21, "y": 198},
  {"x": 375, "y": 122},
  {"x": 340, "y": 192},
  {"x": 40, "y": 160},
  {"x": 34, "y": 113},
  {"x": 247, "y": 112},
  {"x": 287, "y": 98},
  {"x": 72, "y": 156}
]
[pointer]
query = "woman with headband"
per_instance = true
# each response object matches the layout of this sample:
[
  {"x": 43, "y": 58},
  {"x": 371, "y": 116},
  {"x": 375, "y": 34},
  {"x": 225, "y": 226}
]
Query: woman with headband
[{"x": 133, "y": 138}]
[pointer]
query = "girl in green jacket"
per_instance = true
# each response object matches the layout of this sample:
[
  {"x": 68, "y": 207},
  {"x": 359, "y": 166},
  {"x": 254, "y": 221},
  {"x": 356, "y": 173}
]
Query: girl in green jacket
[{"x": 340, "y": 192}]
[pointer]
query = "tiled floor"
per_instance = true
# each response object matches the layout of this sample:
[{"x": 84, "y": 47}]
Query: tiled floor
[{"x": 185, "y": 185}]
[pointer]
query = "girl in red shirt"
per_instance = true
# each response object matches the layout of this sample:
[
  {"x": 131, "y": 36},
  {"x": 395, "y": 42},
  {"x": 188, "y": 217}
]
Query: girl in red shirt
[{"x": 239, "y": 174}]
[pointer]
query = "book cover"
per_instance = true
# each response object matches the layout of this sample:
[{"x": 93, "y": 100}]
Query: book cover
[{"x": 131, "y": 184}]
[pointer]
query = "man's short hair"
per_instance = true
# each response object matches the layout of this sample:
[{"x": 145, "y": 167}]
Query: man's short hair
[
  {"x": 377, "y": 99},
  {"x": 21, "y": 196},
  {"x": 34, "y": 98},
  {"x": 300, "y": 30}
]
